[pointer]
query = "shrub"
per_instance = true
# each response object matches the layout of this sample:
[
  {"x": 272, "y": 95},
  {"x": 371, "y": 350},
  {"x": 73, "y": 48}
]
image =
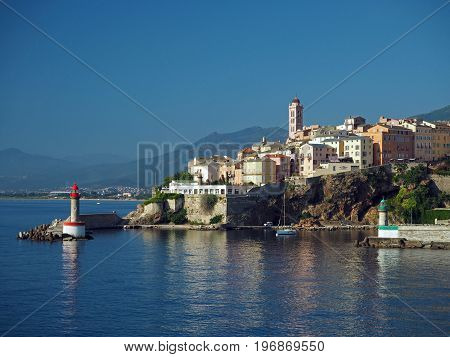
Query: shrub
[
  {"x": 196, "y": 223},
  {"x": 440, "y": 214},
  {"x": 178, "y": 217},
  {"x": 412, "y": 176},
  {"x": 162, "y": 196},
  {"x": 179, "y": 176},
  {"x": 305, "y": 215},
  {"x": 208, "y": 202},
  {"x": 216, "y": 219}
]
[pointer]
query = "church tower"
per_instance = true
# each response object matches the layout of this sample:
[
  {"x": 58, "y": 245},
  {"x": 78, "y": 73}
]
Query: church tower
[{"x": 295, "y": 117}]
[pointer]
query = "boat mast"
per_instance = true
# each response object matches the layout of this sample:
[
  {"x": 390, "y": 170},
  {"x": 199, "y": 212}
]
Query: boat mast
[{"x": 284, "y": 209}]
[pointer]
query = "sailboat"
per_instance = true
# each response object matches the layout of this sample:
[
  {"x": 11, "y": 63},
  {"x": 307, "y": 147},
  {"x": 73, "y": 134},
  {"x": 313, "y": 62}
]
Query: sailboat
[{"x": 286, "y": 231}]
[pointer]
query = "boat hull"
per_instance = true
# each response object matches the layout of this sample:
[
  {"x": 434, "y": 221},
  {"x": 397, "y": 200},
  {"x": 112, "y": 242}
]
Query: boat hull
[{"x": 286, "y": 232}]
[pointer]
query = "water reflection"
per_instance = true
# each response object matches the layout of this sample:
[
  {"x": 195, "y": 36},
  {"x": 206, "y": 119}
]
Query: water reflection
[
  {"x": 70, "y": 276},
  {"x": 199, "y": 283}
]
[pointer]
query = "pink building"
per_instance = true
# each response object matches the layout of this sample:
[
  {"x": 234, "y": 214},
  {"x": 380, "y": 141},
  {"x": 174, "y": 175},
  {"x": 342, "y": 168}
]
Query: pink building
[{"x": 283, "y": 165}]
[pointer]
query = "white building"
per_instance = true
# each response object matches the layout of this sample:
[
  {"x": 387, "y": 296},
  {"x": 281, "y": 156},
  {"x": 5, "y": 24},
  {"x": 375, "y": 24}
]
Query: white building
[
  {"x": 360, "y": 149},
  {"x": 352, "y": 123},
  {"x": 207, "y": 169},
  {"x": 193, "y": 188}
]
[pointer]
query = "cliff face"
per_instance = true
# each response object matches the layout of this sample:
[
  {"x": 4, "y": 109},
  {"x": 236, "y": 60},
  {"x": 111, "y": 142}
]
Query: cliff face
[{"x": 352, "y": 196}]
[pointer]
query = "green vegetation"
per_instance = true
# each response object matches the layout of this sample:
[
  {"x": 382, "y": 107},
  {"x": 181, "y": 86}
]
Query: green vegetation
[
  {"x": 196, "y": 223},
  {"x": 208, "y": 202},
  {"x": 415, "y": 196},
  {"x": 179, "y": 217},
  {"x": 216, "y": 219},
  {"x": 430, "y": 215},
  {"x": 305, "y": 215},
  {"x": 410, "y": 177},
  {"x": 179, "y": 176},
  {"x": 162, "y": 196}
]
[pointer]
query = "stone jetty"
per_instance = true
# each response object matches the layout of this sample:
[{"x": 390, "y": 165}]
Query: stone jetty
[{"x": 377, "y": 242}]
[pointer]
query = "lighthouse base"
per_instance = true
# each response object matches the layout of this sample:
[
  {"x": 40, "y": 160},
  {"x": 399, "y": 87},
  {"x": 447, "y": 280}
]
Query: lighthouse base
[{"x": 75, "y": 229}]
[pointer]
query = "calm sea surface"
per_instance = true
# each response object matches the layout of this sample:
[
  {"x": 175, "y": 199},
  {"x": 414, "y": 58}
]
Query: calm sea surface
[{"x": 188, "y": 283}]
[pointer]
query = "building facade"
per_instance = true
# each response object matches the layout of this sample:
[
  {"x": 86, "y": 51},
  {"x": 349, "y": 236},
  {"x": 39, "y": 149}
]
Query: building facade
[
  {"x": 311, "y": 155},
  {"x": 352, "y": 123},
  {"x": 282, "y": 166},
  {"x": 390, "y": 143},
  {"x": 193, "y": 188},
  {"x": 423, "y": 140},
  {"x": 204, "y": 170},
  {"x": 441, "y": 140},
  {"x": 360, "y": 149},
  {"x": 258, "y": 171}
]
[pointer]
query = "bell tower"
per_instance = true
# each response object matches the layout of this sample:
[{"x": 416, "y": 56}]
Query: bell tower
[{"x": 295, "y": 117}]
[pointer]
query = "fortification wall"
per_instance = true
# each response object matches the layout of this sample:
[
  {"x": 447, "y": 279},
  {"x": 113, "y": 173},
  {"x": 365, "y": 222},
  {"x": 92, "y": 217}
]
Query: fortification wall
[
  {"x": 425, "y": 233},
  {"x": 197, "y": 213}
]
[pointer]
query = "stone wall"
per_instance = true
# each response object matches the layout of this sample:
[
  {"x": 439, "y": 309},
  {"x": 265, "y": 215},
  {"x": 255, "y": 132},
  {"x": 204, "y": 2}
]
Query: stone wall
[
  {"x": 196, "y": 213},
  {"x": 442, "y": 182},
  {"x": 100, "y": 220},
  {"x": 243, "y": 210},
  {"x": 175, "y": 204},
  {"x": 425, "y": 233}
]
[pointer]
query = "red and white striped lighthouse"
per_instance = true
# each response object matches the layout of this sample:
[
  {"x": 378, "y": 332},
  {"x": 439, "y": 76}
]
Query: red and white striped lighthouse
[{"x": 74, "y": 226}]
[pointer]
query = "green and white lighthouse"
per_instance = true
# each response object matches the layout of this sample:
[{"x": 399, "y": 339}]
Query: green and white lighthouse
[
  {"x": 382, "y": 213},
  {"x": 384, "y": 229}
]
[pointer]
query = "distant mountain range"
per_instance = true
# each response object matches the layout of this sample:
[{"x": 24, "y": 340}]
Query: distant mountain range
[
  {"x": 435, "y": 115},
  {"x": 23, "y": 171}
]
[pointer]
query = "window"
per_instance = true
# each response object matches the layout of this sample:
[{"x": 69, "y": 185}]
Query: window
[
  {"x": 236, "y": 192},
  {"x": 222, "y": 191},
  {"x": 230, "y": 191}
]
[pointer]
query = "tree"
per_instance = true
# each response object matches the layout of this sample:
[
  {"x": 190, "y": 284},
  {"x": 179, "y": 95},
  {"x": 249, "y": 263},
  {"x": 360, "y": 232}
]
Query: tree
[{"x": 183, "y": 176}]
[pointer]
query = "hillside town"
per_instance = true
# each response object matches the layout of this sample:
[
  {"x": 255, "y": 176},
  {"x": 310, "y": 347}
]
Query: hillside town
[{"x": 315, "y": 150}]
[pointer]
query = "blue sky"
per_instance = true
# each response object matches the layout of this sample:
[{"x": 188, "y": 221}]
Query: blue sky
[{"x": 205, "y": 66}]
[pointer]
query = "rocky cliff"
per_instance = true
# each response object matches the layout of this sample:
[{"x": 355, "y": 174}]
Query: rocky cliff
[{"x": 351, "y": 196}]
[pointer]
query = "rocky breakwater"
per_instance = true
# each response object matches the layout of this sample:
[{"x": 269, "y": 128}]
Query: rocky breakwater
[
  {"x": 312, "y": 224},
  {"x": 48, "y": 232},
  {"x": 402, "y": 243}
]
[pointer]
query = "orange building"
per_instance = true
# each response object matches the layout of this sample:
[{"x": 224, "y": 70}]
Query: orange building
[{"x": 390, "y": 142}]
